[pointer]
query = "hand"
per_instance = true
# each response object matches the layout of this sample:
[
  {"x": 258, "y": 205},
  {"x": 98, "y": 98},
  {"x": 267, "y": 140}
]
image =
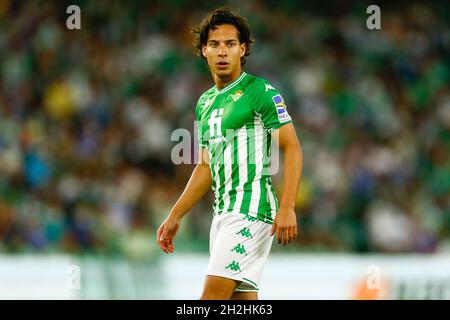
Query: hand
[
  {"x": 285, "y": 224},
  {"x": 166, "y": 233}
]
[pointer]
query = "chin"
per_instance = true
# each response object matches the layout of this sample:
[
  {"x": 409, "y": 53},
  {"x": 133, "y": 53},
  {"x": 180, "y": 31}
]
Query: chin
[{"x": 223, "y": 73}]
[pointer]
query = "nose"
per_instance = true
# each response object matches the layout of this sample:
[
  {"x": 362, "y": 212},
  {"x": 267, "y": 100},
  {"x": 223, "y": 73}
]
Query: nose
[{"x": 222, "y": 52}]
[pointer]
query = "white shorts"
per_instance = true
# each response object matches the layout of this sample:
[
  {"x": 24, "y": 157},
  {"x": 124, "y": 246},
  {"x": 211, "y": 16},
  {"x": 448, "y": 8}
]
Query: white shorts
[{"x": 239, "y": 247}]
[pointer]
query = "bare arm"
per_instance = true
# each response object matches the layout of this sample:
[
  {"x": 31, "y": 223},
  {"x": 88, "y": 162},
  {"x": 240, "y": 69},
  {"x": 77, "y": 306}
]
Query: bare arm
[
  {"x": 285, "y": 223},
  {"x": 197, "y": 186}
]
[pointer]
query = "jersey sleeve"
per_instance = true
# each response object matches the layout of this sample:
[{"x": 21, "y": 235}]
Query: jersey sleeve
[
  {"x": 202, "y": 142},
  {"x": 271, "y": 107}
]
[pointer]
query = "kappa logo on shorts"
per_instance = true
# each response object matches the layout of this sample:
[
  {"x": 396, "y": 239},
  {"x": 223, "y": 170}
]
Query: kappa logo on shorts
[
  {"x": 239, "y": 249},
  {"x": 245, "y": 232},
  {"x": 234, "y": 266},
  {"x": 249, "y": 218}
]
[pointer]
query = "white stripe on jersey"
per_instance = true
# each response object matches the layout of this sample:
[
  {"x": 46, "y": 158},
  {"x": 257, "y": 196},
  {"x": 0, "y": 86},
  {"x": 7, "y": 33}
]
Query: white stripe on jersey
[
  {"x": 256, "y": 184},
  {"x": 273, "y": 207},
  {"x": 216, "y": 191},
  {"x": 227, "y": 174},
  {"x": 242, "y": 161}
]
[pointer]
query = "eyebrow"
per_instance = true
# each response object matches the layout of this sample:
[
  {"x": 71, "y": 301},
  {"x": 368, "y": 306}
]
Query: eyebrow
[{"x": 229, "y": 40}]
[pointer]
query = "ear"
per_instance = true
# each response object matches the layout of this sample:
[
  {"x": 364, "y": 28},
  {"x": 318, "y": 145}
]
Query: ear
[
  {"x": 204, "y": 51},
  {"x": 243, "y": 49}
]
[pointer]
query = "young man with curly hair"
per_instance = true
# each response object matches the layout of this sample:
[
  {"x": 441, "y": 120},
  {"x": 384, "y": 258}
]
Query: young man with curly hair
[{"x": 237, "y": 118}]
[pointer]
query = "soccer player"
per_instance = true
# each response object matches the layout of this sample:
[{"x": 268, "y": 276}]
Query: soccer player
[{"x": 237, "y": 118}]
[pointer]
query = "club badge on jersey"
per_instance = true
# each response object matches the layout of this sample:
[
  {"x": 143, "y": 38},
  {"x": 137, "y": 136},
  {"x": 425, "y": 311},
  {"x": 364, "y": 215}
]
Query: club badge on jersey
[{"x": 237, "y": 95}]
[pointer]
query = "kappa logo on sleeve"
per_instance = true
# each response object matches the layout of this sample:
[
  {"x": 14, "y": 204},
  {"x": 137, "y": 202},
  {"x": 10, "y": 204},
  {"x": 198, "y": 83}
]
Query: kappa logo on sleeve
[
  {"x": 209, "y": 101},
  {"x": 269, "y": 87},
  {"x": 283, "y": 115}
]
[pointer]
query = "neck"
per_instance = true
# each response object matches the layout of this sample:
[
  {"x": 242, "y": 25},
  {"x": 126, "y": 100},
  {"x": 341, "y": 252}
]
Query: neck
[{"x": 222, "y": 82}]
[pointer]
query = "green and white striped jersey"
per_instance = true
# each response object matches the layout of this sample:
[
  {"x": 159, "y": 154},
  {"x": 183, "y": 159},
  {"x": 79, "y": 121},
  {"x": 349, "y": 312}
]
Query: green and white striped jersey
[{"x": 235, "y": 125}]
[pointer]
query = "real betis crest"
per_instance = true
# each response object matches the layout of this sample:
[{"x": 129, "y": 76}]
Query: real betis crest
[{"x": 237, "y": 95}]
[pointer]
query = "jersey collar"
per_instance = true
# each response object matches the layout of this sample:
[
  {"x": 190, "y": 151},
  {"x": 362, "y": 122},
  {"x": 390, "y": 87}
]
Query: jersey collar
[{"x": 231, "y": 85}]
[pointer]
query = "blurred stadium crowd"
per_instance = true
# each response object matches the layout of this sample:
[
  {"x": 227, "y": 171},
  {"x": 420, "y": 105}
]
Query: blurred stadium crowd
[{"x": 86, "y": 118}]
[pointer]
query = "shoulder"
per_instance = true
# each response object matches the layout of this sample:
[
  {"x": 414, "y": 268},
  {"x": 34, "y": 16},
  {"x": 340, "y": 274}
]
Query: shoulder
[
  {"x": 260, "y": 85},
  {"x": 261, "y": 88},
  {"x": 203, "y": 97}
]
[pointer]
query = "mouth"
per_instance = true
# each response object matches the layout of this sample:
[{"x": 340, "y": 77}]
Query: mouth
[{"x": 222, "y": 65}]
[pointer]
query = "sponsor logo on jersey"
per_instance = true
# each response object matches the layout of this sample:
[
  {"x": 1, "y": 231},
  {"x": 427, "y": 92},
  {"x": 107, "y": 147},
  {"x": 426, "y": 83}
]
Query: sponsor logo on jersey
[
  {"x": 218, "y": 140},
  {"x": 283, "y": 116},
  {"x": 215, "y": 127},
  {"x": 215, "y": 123},
  {"x": 237, "y": 95}
]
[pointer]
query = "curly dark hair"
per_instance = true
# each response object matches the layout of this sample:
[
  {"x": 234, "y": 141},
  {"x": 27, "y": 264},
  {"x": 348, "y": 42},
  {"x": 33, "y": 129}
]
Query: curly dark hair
[{"x": 219, "y": 17}]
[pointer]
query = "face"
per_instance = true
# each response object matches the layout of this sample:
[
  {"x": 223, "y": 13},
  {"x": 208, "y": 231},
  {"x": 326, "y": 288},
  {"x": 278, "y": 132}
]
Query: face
[{"x": 223, "y": 51}]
